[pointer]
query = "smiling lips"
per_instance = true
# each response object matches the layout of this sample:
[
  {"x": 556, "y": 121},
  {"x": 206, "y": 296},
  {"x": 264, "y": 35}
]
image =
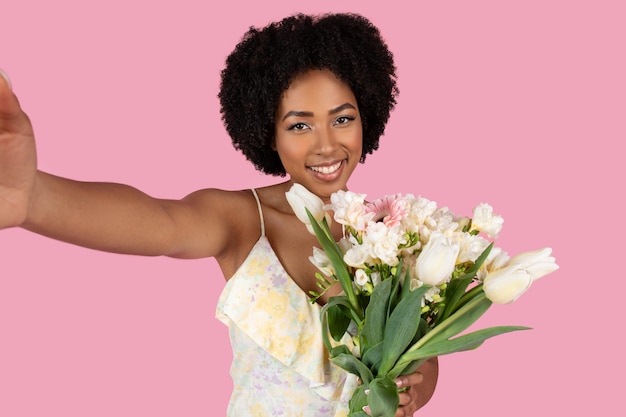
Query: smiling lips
[{"x": 326, "y": 169}]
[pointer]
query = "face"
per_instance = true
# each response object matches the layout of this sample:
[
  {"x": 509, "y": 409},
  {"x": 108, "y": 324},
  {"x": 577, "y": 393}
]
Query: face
[{"x": 318, "y": 133}]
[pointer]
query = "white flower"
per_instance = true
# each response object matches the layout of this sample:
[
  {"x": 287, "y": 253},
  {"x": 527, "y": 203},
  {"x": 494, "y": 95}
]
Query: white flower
[
  {"x": 344, "y": 245},
  {"x": 496, "y": 259},
  {"x": 360, "y": 278},
  {"x": 321, "y": 261},
  {"x": 463, "y": 222},
  {"x": 420, "y": 209},
  {"x": 349, "y": 209},
  {"x": 505, "y": 285},
  {"x": 357, "y": 256},
  {"x": 429, "y": 295},
  {"x": 485, "y": 221},
  {"x": 300, "y": 199},
  {"x": 383, "y": 242},
  {"x": 435, "y": 264},
  {"x": 442, "y": 220},
  {"x": 376, "y": 279},
  {"x": 471, "y": 246},
  {"x": 538, "y": 263}
]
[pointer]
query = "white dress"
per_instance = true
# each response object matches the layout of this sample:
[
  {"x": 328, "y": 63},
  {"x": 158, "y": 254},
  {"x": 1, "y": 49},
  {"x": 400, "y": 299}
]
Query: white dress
[{"x": 280, "y": 364}]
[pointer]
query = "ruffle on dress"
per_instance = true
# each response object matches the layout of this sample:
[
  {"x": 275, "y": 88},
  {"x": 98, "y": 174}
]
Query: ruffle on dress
[{"x": 263, "y": 301}]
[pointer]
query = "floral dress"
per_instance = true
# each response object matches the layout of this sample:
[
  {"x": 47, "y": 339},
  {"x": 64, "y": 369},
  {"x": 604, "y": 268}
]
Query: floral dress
[{"x": 280, "y": 365}]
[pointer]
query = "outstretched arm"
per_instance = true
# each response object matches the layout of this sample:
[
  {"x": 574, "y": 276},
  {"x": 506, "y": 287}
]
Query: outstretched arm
[{"x": 105, "y": 216}]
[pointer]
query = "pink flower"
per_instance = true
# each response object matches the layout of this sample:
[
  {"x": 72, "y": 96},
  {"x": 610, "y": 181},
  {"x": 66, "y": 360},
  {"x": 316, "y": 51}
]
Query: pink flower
[{"x": 391, "y": 209}]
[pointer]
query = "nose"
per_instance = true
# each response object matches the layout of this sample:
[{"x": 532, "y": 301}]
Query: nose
[{"x": 325, "y": 141}]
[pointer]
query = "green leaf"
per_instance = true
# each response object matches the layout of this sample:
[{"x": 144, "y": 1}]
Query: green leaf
[
  {"x": 328, "y": 244},
  {"x": 351, "y": 364},
  {"x": 373, "y": 356},
  {"x": 422, "y": 329},
  {"x": 333, "y": 301},
  {"x": 456, "y": 288},
  {"x": 383, "y": 398},
  {"x": 406, "y": 285},
  {"x": 338, "y": 321},
  {"x": 409, "y": 369},
  {"x": 376, "y": 316},
  {"x": 394, "y": 297},
  {"x": 401, "y": 327},
  {"x": 479, "y": 261},
  {"x": 462, "y": 343},
  {"x": 459, "y": 321},
  {"x": 357, "y": 402},
  {"x": 338, "y": 350},
  {"x": 456, "y": 295}
]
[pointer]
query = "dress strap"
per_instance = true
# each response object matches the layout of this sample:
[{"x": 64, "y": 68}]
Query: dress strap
[{"x": 258, "y": 204}]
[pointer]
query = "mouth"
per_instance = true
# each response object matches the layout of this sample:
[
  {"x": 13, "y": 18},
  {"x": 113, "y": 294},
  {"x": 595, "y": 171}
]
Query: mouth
[{"x": 326, "y": 169}]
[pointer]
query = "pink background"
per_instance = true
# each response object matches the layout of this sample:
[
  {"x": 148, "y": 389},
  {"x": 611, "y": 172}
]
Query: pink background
[{"x": 519, "y": 104}]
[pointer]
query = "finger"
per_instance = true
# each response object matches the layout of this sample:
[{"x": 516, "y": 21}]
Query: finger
[
  {"x": 9, "y": 105},
  {"x": 6, "y": 78},
  {"x": 409, "y": 380},
  {"x": 406, "y": 409},
  {"x": 406, "y": 398},
  {"x": 404, "y": 412},
  {"x": 12, "y": 118}
]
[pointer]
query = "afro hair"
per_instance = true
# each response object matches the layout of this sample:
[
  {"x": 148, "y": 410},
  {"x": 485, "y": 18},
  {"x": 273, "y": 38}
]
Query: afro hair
[{"x": 265, "y": 62}]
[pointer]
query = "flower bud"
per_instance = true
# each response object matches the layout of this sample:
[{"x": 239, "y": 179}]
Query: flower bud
[
  {"x": 538, "y": 263},
  {"x": 435, "y": 264},
  {"x": 505, "y": 285},
  {"x": 300, "y": 199}
]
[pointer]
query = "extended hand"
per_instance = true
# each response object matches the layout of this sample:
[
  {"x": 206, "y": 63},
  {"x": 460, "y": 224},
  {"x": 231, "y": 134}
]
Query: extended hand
[{"x": 18, "y": 161}]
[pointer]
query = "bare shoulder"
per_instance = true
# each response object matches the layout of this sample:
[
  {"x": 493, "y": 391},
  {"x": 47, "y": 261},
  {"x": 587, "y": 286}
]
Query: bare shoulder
[{"x": 216, "y": 222}]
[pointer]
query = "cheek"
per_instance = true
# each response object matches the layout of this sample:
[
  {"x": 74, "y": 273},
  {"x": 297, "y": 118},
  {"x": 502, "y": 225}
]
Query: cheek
[
  {"x": 356, "y": 142},
  {"x": 290, "y": 151}
]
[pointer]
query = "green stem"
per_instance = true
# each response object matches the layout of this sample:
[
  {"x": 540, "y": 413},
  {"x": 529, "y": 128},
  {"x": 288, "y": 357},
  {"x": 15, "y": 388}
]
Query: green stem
[
  {"x": 446, "y": 323},
  {"x": 470, "y": 294}
]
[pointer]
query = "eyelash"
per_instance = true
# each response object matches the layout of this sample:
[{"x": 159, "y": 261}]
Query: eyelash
[
  {"x": 298, "y": 125},
  {"x": 348, "y": 118},
  {"x": 295, "y": 126}
]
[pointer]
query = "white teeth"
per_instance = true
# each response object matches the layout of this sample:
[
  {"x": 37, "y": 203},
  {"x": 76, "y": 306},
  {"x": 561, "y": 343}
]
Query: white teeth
[{"x": 327, "y": 170}]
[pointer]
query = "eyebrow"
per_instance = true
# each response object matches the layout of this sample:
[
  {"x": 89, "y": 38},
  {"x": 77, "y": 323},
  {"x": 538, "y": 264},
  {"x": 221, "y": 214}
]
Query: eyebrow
[{"x": 298, "y": 113}]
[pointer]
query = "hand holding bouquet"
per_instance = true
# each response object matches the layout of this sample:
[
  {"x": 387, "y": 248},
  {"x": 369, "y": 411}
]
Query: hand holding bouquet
[{"x": 414, "y": 276}]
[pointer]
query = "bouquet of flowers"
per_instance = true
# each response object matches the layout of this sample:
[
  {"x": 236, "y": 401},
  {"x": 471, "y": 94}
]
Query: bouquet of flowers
[{"x": 414, "y": 276}]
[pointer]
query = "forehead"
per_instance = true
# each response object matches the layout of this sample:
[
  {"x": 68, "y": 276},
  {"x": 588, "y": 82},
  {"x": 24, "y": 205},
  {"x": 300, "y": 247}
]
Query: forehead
[{"x": 316, "y": 89}]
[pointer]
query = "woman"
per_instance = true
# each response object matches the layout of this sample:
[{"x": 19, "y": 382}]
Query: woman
[{"x": 308, "y": 98}]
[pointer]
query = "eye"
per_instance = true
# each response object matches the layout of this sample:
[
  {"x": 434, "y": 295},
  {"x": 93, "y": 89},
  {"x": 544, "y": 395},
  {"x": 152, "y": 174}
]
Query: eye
[
  {"x": 342, "y": 120},
  {"x": 298, "y": 126}
]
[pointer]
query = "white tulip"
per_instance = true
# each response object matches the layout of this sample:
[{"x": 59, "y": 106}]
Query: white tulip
[
  {"x": 538, "y": 263},
  {"x": 300, "y": 199},
  {"x": 496, "y": 259},
  {"x": 505, "y": 285},
  {"x": 435, "y": 264}
]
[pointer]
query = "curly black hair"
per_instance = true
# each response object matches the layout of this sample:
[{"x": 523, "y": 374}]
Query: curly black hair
[{"x": 266, "y": 61}]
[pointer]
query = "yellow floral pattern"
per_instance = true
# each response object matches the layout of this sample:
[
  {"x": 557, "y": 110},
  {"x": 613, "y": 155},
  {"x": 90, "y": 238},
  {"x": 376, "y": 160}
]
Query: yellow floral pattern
[{"x": 280, "y": 365}]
